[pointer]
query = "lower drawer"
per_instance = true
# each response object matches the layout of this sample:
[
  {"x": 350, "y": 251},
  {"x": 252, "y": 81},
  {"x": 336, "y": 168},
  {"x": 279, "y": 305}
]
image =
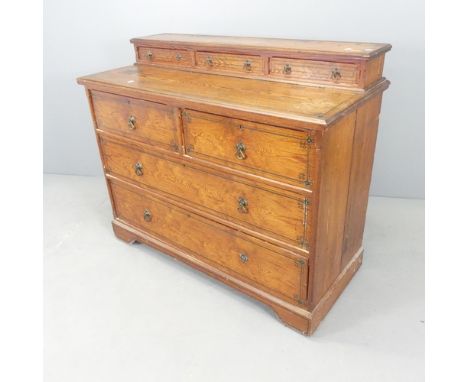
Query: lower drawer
[
  {"x": 273, "y": 213},
  {"x": 277, "y": 271}
]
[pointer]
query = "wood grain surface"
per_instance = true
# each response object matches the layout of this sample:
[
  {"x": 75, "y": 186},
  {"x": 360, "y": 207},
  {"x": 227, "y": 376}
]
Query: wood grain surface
[
  {"x": 248, "y": 159},
  {"x": 315, "y": 71},
  {"x": 272, "y": 212},
  {"x": 365, "y": 136},
  {"x": 236, "y": 253},
  {"x": 314, "y": 105},
  {"x": 273, "y": 151},
  {"x": 136, "y": 119},
  {"x": 288, "y": 46},
  {"x": 225, "y": 62},
  {"x": 335, "y": 167}
]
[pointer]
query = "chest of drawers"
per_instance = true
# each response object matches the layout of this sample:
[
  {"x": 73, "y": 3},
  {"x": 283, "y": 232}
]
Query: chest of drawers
[{"x": 248, "y": 159}]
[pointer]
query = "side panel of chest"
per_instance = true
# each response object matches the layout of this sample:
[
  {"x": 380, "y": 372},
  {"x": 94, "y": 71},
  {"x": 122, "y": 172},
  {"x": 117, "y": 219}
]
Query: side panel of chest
[{"x": 365, "y": 136}]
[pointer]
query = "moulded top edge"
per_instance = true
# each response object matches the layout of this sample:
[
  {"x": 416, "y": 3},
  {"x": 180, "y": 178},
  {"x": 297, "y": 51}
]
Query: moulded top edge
[
  {"x": 339, "y": 48},
  {"x": 302, "y": 104}
]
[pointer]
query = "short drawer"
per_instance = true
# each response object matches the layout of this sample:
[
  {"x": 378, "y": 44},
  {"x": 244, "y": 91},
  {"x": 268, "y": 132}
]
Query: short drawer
[
  {"x": 315, "y": 71},
  {"x": 271, "y": 151},
  {"x": 229, "y": 250},
  {"x": 164, "y": 56},
  {"x": 276, "y": 214},
  {"x": 225, "y": 62},
  {"x": 141, "y": 120}
]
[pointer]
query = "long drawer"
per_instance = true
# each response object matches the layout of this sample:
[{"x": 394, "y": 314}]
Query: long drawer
[
  {"x": 274, "y": 213},
  {"x": 235, "y": 252},
  {"x": 270, "y": 151}
]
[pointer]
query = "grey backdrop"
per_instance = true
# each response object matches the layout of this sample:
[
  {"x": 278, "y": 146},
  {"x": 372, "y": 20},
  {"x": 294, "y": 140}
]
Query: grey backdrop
[{"x": 87, "y": 36}]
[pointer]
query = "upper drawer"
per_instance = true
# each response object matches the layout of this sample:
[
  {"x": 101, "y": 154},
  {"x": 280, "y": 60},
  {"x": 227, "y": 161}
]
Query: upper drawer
[
  {"x": 274, "y": 152},
  {"x": 164, "y": 56},
  {"x": 225, "y": 62},
  {"x": 275, "y": 214},
  {"x": 144, "y": 121},
  {"x": 315, "y": 71},
  {"x": 236, "y": 253}
]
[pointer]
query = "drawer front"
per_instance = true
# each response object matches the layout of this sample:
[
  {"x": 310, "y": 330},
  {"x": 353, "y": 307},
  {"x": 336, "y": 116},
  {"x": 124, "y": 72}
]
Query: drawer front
[
  {"x": 235, "y": 252},
  {"x": 315, "y": 71},
  {"x": 271, "y": 151},
  {"x": 261, "y": 209},
  {"x": 225, "y": 62},
  {"x": 144, "y": 121},
  {"x": 164, "y": 56}
]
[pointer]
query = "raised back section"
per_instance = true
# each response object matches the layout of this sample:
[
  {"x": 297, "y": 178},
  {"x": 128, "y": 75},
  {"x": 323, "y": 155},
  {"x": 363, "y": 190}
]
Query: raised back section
[{"x": 327, "y": 63}]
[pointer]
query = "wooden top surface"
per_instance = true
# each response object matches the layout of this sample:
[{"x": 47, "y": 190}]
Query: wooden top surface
[
  {"x": 316, "y": 105},
  {"x": 353, "y": 49}
]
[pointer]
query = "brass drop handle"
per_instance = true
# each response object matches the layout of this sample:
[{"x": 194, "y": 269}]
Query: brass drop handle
[
  {"x": 240, "y": 151},
  {"x": 178, "y": 57},
  {"x": 336, "y": 75},
  {"x": 247, "y": 65},
  {"x": 147, "y": 215},
  {"x": 138, "y": 167},
  {"x": 149, "y": 55},
  {"x": 131, "y": 122},
  {"x": 209, "y": 61},
  {"x": 287, "y": 69},
  {"x": 242, "y": 205},
  {"x": 243, "y": 257}
]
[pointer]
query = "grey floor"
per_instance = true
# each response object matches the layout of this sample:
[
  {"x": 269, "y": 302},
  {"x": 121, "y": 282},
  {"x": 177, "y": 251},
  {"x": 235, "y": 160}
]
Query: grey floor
[{"x": 118, "y": 312}]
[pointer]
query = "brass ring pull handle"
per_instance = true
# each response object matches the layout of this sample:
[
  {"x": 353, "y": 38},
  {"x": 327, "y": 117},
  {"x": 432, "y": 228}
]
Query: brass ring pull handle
[
  {"x": 242, "y": 205},
  {"x": 138, "y": 167},
  {"x": 247, "y": 65},
  {"x": 178, "y": 57},
  {"x": 149, "y": 55},
  {"x": 209, "y": 61},
  {"x": 287, "y": 69},
  {"x": 243, "y": 257},
  {"x": 336, "y": 75},
  {"x": 240, "y": 151},
  {"x": 147, "y": 215},
  {"x": 131, "y": 122}
]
